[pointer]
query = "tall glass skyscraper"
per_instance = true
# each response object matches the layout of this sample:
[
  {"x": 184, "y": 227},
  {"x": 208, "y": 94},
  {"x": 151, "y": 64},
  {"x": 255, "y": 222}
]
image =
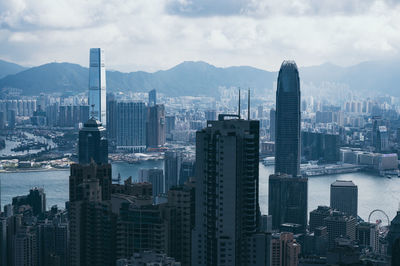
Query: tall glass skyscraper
[
  {"x": 287, "y": 128},
  {"x": 97, "y": 85}
]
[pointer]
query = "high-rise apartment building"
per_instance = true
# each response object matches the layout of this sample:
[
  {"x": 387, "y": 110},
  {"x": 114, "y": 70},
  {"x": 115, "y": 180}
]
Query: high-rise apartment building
[
  {"x": 284, "y": 250},
  {"x": 344, "y": 197},
  {"x": 227, "y": 209},
  {"x": 287, "y": 132},
  {"x": 180, "y": 218},
  {"x": 155, "y": 177},
  {"x": 97, "y": 85}
]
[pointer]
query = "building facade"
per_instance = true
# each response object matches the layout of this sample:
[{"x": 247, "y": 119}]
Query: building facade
[{"x": 97, "y": 85}]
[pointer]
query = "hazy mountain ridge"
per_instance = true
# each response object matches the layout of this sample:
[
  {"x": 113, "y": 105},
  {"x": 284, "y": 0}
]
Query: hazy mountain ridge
[
  {"x": 7, "y": 68},
  {"x": 200, "y": 78}
]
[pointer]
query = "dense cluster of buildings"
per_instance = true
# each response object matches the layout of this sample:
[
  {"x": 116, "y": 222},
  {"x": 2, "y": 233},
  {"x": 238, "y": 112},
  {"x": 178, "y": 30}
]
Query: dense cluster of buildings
[{"x": 203, "y": 210}]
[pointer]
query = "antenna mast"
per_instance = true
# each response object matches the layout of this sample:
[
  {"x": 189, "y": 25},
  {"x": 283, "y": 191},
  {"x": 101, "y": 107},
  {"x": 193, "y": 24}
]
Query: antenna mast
[
  {"x": 248, "y": 104},
  {"x": 239, "y": 105}
]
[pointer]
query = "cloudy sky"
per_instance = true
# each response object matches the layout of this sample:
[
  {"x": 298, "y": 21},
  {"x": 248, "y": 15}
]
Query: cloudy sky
[{"x": 158, "y": 34}]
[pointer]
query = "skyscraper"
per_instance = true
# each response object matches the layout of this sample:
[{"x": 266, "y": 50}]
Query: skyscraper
[
  {"x": 272, "y": 127},
  {"x": 287, "y": 190},
  {"x": 155, "y": 126},
  {"x": 227, "y": 210},
  {"x": 97, "y": 84},
  {"x": 172, "y": 168},
  {"x": 152, "y": 97},
  {"x": 344, "y": 197},
  {"x": 92, "y": 144},
  {"x": 287, "y": 131}
]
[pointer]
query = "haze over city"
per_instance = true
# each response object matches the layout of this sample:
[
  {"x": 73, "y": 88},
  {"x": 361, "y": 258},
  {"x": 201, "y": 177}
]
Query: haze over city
[{"x": 158, "y": 34}]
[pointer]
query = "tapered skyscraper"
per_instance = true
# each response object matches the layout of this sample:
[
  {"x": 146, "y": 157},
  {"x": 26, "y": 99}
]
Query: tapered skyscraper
[
  {"x": 97, "y": 85},
  {"x": 287, "y": 128}
]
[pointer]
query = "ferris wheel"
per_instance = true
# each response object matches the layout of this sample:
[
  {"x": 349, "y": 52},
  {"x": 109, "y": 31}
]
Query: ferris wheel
[{"x": 379, "y": 216}]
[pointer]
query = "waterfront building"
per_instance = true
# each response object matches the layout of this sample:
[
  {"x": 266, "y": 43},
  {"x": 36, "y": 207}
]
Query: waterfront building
[
  {"x": 287, "y": 200},
  {"x": 93, "y": 144},
  {"x": 320, "y": 147},
  {"x": 112, "y": 118},
  {"x": 227, "y": 209},
  {"x": 169, "y": 126},
  {"x": 338, "y": 224},
  {"x": 131, "y": 126},
  {"x": 97, "y": 85},
  {"x": 155, "y": 126},
  {"x": 382, "y": 139},
  {"x": 287, "y": 132},
  {"x": 344, "y": 197}
]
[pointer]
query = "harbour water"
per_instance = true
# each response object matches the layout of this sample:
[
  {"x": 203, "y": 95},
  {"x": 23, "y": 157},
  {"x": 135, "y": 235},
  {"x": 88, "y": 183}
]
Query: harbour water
[{"x": 374, "y": 192}]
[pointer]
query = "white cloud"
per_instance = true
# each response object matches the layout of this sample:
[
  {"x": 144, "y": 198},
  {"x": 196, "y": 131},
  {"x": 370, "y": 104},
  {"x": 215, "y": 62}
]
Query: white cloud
[{"x": 157, "y": 34}]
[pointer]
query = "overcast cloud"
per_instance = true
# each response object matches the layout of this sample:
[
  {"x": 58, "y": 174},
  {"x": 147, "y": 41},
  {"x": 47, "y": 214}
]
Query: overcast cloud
[{"x": 158, "y": 34}]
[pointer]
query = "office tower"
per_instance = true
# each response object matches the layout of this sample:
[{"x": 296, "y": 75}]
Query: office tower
[
  {"x": 155, "y": 177},
  {"x": 93, "y": 143},
  {"x": 272, "y": 124},
  {"x": 340, "y": 225},
  {"x": 287, "y": 200},
  {"x": 131, "y": 126},
  {"x": 344, "y": 252},
  {"x": 186, "y": 171},
  {"x": 152, "y": 97},
  {"x": 172, "y": 167},
  {"x": 284, "y": 250},
  {"x": 344, "y": 197},
  {"x": 37, "y": 200},
  {"x": 181, "y": 222},
  {"x": 210, "y": 115},
  {"x": 287, "y": 132},
  {"x": 368, "y": 236},
  {"x": 227, "y": 209},
  {"x": 318, "y": 215},
  {"x": 97, "y": 85},
  {"x": 112, "y": 118},
  {"x": 156, "y": 126}
]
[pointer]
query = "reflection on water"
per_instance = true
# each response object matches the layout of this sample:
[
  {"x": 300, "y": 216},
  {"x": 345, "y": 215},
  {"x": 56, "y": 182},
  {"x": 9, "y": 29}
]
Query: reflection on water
[{"x": 374, "y": 192}]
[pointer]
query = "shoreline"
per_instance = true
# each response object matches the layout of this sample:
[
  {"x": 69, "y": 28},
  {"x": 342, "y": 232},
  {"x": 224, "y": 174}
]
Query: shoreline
[{"x": 33, "y": 170}]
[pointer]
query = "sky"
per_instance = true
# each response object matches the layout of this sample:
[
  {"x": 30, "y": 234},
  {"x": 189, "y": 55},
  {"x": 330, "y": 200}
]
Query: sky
[{"x": 150, "y": 35}]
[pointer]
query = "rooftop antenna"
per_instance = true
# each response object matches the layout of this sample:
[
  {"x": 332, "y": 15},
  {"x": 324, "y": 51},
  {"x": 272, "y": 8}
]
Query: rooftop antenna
[
  {"x": 239, "y": 105},
  {"x": 248, "y": 104}
]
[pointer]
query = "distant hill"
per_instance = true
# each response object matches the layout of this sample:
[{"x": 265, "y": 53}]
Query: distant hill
[
  {"x": 7, "y": 68},
  {"x": 200, "y": 78}
]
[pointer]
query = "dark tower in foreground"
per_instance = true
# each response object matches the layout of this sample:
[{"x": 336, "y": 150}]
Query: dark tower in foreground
[
  {"x": 287, "y": 128},
  {"x": 91, "y": 221},
  {"x": 93, "y": 143},
  {"x": 287, "y": 189}
]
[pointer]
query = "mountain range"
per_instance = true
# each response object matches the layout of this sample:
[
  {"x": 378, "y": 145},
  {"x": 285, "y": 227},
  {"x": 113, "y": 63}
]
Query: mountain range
[{"x": 197, "y": 78}]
